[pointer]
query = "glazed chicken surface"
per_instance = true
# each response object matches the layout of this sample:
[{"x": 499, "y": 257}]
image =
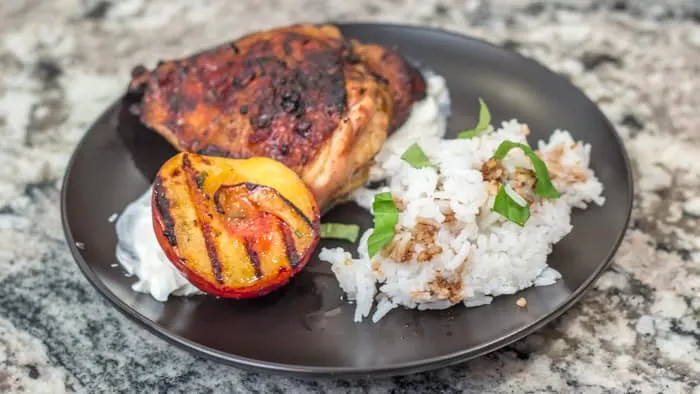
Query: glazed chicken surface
[{"x": 303, "y": 95}]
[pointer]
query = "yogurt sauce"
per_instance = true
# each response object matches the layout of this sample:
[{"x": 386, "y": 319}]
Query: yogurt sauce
[{"x": 140, "y": 254}]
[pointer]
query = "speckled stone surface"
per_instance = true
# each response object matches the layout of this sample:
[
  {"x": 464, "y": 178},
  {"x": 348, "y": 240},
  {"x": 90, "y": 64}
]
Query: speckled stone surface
[{"x": 62, "y": 62}]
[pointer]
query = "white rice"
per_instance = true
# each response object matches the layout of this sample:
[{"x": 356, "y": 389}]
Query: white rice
[{"x": 482, "y": 254}]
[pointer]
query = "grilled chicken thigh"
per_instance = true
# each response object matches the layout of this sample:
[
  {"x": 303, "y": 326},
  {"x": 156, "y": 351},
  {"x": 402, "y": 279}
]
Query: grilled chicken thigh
[{"x": 302, "y": 95}]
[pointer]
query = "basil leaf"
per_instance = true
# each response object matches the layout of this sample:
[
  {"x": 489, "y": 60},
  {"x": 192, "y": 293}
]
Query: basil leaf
[
  {"x": 483, "y": 124},
  {"x": 348, "y": 232},
  {"x": 415, "y": 156},
  {"x": 385, "y": 218},
  {"x": 543, "y": 186},
  {"x": 509, "y": 208}
]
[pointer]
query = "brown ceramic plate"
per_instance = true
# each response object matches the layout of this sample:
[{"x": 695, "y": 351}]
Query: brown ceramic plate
[{"x": 288, "y": 331}]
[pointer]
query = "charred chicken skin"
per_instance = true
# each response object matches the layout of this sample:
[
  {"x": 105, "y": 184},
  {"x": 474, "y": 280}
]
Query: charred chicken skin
[{"x": 302, "y": 95}]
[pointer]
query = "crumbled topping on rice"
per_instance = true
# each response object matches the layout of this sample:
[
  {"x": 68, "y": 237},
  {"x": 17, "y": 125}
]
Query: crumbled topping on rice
[
  {"x": 492, "y": 170},
  {"x": 558, "y": 171},
  {"x": 445, "y": 289},
  {"x": 419, "y": 240},
  {"x": 524, "y": 183}
]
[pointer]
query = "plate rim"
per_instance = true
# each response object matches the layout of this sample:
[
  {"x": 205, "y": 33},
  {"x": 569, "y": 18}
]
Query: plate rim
[{"x": 403, "y": 368}]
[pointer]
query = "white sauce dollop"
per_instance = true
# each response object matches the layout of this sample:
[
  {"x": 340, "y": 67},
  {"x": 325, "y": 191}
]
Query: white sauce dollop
[{"x": 140, "y": 254}]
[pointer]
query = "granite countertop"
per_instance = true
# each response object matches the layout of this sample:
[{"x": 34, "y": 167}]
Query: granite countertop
[{"x": 62, "y": 62}]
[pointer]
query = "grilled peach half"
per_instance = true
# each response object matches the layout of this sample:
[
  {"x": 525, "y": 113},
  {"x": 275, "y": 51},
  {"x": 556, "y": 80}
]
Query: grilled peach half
[{"x": 236, "y": 228}]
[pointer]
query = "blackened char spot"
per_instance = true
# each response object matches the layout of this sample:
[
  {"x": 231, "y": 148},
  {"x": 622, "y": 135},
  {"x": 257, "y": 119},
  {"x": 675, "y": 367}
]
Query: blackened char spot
[
  {"x": 297, "y": 210},
  {"x": 186, "y": 163},
  {"x": 213, "y": 150},
  {"x": 243, "y": 109},
  {"x": 212, "y": 251},
  {"x": 217, "y": 203},
  {"x": 262, "y": 121},
  {"x": 303, "y": 127},
  {"x": 379, "y": 78},
  {"x": 290, "y": 101},
  {"x": 292, "y": 254},
  {"x": 245, "y": 77},
  {"x": 284, "y": 149},
  {"x": 350, "y": 55},
  {"x": 338, "y": 95},
  {"x": 163, "y": 207},
  {"x": 235, "y": 48},
  {"x": 254, "y": 258}
]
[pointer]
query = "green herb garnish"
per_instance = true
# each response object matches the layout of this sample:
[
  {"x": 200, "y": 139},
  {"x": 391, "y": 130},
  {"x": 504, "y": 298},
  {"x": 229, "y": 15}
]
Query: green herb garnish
[
  {"x": 348, "y": 232},
  {"x": 543, "y": 186},
  {"x": 415, "y": 156},
  {"x": 201, "y": 178},
  {"x": 510, "y": 208},
  {"x": 297, "y": 233},
  {"x": 483, "y": 124},
  {"x": 385, "y": 218}
]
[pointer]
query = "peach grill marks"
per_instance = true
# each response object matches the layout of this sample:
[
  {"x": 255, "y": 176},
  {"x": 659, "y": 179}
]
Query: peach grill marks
[
  {"x": 254, "y": 258},
  {"x": 193, "y": 179},
  {"x": 287, "y": 235},
  {"x": 163, "y": 206},
  {"x": 292, "y": 254},
  {"x": 195, "y": 183},
  {"x": 212, "y": 252}
]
